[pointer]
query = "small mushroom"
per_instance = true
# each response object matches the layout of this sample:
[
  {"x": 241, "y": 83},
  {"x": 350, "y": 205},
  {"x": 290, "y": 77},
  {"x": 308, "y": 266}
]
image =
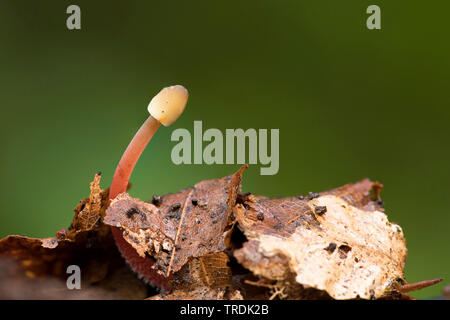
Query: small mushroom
[{"x": 165, "y": 108}]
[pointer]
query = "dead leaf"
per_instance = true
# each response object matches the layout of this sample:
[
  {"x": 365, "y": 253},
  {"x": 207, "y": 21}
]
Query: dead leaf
[
  {"x": 347, "y": 247},
  {"x": 203, "y": 278},
  {"x": 32, "y": 268},
  {"x": 191, "y": 223},
  {"x": 210, "y": 271},
  {"x": 90, "y": 211},
  {"x": 334, "y": 244}
]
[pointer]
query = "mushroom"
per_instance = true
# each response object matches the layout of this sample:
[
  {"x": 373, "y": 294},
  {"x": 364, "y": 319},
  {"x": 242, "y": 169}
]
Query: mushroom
[{"x": 165, "y": 108}]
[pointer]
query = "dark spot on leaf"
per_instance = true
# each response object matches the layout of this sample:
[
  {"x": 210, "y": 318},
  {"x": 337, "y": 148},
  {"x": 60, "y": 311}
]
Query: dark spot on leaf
[
  {"x": 331, "y": 247},
  {"x": 174, "y": 215},
  {"x": 156, "y": 200},
  {"x": 131, "y": 212},
  {"x": 312, "y": 195},
  {"x": 320, "y": 210},
  {"x": 175, "y": 207},
  {"x": 344, "y": 250}
]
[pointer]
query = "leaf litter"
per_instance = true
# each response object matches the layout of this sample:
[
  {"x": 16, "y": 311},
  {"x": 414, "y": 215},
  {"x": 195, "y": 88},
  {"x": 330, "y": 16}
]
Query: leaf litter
[{"x": 214, "y": 242}]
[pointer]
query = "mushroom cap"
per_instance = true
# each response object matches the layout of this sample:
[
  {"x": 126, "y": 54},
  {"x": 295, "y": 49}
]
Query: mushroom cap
[{"x": 168, "y": 104}]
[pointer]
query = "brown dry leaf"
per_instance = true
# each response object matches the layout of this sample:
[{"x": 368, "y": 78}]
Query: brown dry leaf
[
  {"x": 207, "y": 277},
  {"x": 32, "y": 268},
  {"x": 215, "y": 272},
  {"x": 265, "y": 289},
  {"x": 210, "y": 271},
  {"x": 340, "y": 241},
  {"x": 90, "y": 211},
  {"x": 336, "y": 244},
  {"x": 177, "y": 227},
  {"x": 201, "y": 293},
  {"x": 29, "y": 270}
]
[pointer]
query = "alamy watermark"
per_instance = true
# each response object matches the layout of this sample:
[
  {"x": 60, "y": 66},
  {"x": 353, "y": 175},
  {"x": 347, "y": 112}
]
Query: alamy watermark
[
  {"x": 222, "y": 149},
  {"x": 373, "y": 22},
  {"x": 74, "y": 280},
  {"x": 73, "y": 21}
]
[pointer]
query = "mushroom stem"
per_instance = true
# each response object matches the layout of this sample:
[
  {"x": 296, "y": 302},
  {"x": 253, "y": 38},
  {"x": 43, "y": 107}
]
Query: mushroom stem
[
  {"x": 131, "y": 155},
  {"x": 164, "y": 108}
]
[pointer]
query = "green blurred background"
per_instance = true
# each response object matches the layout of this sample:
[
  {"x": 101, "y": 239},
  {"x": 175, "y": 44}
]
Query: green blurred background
[{"x": 349, "y": 102}]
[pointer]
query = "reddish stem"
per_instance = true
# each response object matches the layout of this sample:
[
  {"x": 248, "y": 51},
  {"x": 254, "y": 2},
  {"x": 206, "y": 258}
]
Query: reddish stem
[
  {"x": 143, "y": 266},
  {"x": 131, "y": 155}
]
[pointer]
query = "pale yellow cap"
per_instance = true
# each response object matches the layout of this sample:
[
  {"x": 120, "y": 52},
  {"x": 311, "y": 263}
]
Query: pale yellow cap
[{"x": 168, "y": 104}]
